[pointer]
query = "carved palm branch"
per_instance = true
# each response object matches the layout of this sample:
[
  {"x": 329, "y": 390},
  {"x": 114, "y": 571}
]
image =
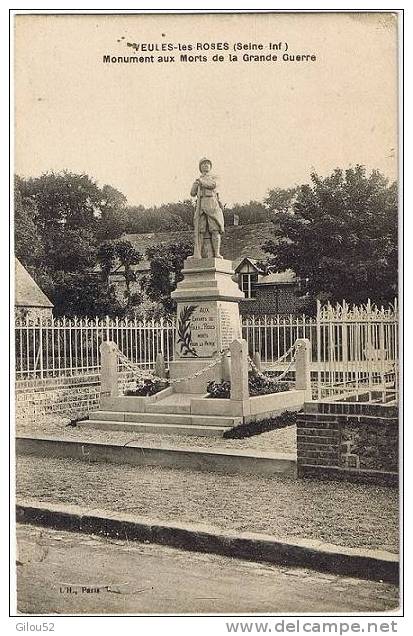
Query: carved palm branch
[{"x": 184, "y": 330}]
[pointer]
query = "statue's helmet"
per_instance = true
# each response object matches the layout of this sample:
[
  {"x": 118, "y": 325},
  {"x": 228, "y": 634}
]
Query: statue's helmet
[{"x": 205, "y": 160}]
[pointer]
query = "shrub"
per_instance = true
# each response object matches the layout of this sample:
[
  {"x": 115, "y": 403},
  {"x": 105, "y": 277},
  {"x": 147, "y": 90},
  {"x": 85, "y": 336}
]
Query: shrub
[
  {"x": 149, "y": 387},
  {"x": 262, "y": 385},
  {"x": 288, "y": 418},
  {"x": 258, "y": 384},
  {"x": 219, "y": 389}
]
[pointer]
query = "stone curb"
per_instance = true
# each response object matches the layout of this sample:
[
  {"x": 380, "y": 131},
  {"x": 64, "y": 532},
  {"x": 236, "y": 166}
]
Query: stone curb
[
  {"x": 136, "y": 454},
  {"x": 374, "y": 565}
]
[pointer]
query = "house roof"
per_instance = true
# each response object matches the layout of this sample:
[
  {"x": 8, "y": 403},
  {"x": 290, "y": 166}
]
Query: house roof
[
  {"x": 27, "y": 291},
  {"x": 278, "y": 278},
  {"x": 246, "y": 259},
  {"x": 238, "y": 242}
]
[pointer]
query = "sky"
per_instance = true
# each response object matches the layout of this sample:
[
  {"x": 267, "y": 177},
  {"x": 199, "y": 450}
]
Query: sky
[{"x": 142, "y": 128}]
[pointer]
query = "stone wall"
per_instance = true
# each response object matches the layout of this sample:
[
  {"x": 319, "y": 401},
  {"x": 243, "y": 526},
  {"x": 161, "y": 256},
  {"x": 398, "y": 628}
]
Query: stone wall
[
  {"x": 70, "y": 396},
  {"x": 348, "y": 440},
  {"x": 32, "y": 313}
]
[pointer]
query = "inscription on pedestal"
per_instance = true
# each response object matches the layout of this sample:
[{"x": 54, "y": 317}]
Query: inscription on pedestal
[
  {"x": 229, "y": 322},
  {"x": 196, "y": 333}
]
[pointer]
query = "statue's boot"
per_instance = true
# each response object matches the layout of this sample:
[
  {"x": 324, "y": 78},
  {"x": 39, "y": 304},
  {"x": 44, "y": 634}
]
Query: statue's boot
[{"x": 216, "y": 244}]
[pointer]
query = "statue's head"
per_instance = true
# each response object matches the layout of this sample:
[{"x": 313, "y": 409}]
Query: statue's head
[{"x": 205, "y": 165}]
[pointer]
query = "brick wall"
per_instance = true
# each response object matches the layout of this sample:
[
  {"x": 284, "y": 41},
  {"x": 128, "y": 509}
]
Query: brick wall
[
  {"x": 347, "y": 440},
  {"x": 270, "y": 299},
  {"x": 71, "y": 396}
]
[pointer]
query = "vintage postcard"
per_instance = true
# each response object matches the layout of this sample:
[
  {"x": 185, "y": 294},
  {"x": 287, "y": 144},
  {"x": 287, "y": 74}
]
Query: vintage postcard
[{"x": 206, "y": 329}]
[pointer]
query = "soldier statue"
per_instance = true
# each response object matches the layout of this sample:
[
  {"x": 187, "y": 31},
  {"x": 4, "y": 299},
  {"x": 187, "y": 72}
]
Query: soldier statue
[{"x": 208, "y": 218}]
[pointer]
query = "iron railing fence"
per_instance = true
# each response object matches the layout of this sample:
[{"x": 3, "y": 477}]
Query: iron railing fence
[
  {"x": 67, "y": 347},
  {"x": 354, "y": 349},
  {"x": 357, "y": 351}
]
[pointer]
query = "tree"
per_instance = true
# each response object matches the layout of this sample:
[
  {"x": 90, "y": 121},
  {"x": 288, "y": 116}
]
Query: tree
[
  {"x": 183, "y": 210},
  {"x": 60, "y": 218},
  {"x": 248, "y": 213},
  {"x": 280, "y": 199},
  {"x": 166, "y": 264},
  {"x": 106, "y": 258},
  {"x": 67, "y": 212},
  {"x": 125, "y": 255},
  {"x": 113, "y": 214},
  {"x": 63, "y": 199},
  {"x": 83, "y": 294},
  {"x": 341, "y": 237},
  {"x": 28, "y": 244},
  {"x": 164, "y": 218},
  {"x": 128, "y": 257}
]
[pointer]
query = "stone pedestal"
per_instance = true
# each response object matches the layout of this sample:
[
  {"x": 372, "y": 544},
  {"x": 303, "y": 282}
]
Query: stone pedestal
[{"x": 208, "y": 321}]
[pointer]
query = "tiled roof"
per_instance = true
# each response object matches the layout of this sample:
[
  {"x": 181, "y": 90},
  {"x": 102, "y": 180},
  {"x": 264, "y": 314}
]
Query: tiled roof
[
  {"x": 27, "y": 291},
  {"x": 278, "y": 278},
  {"x": 238, "y": 241}
]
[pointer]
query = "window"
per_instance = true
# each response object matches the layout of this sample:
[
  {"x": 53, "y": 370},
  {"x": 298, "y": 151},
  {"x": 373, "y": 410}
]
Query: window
[{"x": 247, "y": 284}]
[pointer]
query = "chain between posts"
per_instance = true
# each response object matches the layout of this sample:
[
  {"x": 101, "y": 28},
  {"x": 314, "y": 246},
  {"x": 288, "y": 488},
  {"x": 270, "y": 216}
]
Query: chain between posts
[
  {"x": 148, "y": 375},
  {"x": 284, "y": 373}
]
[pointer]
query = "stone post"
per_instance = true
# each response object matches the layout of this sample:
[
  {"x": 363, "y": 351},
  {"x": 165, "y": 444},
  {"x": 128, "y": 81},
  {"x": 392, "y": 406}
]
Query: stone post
[
  {"x": 256, "y": 358},
  {"x": 239, "y": 370},
  {"x": 109, "y": 370},
  {"x": 302, "y": 366},
  {"x": 160, "y": 369},
  {"x": 226, "y": 367}
]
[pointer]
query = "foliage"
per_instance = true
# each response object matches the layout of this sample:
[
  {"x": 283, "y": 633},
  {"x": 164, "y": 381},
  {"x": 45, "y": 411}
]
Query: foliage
[
  {"x": 261, "y": 384},
  {"x": 106, "y": 258},
  {"x": 258, "y": 384},
  {"x": 59, "y": 221},
  {"x": 183, "y": 210},
  {"x": 341, "y": 238},
  {"x": 280, "y": 199},
  {"x": 113, "y": 214},
  {"x": 287, "y": 418},
  {"x": 166, "y": 263},
  {"x": 63, "y": 199},
  {"x": 219, "y": 389},
  {"x": 123, "y": 253},
  {"x": 28, "y": 244},
  {"x": 128, "y": 257},
  {"x": 83, "y": 294},
  {"x": 171, "y": 217},
  {"x": 69, "y": 249},
  {"x": 148, "y": 387},
  {"x": 338, "y": 233},
  {"x": 247, "y": 213}
]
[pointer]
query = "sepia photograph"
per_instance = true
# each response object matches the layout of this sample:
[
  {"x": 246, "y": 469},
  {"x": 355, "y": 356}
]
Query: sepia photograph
[{"x": 205, "y": 335}]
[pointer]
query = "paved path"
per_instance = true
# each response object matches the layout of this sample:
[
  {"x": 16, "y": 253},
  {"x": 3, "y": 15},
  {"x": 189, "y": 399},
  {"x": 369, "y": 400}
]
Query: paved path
[
  {"x": 282, "y": 440},
  {"x": 62, "y": 572},
  {"x": 333, "y": 512}
]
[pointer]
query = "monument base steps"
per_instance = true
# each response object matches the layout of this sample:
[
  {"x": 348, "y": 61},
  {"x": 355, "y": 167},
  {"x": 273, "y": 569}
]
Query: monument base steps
[
  {"x": 174, "y": 403},
  {"x": 170, "y": 415},
  {"x": 165, "y": 418},
  {"x": 155, "y": 428}
]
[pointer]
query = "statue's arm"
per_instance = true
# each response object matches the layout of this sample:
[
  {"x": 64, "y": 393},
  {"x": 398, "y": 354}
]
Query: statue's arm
[{"x": 208, "y": 183}]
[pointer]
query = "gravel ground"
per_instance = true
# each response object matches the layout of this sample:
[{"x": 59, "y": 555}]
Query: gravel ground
[
  {"x": 342, "y": 513},
  {"x": 279, "y": 441}
]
